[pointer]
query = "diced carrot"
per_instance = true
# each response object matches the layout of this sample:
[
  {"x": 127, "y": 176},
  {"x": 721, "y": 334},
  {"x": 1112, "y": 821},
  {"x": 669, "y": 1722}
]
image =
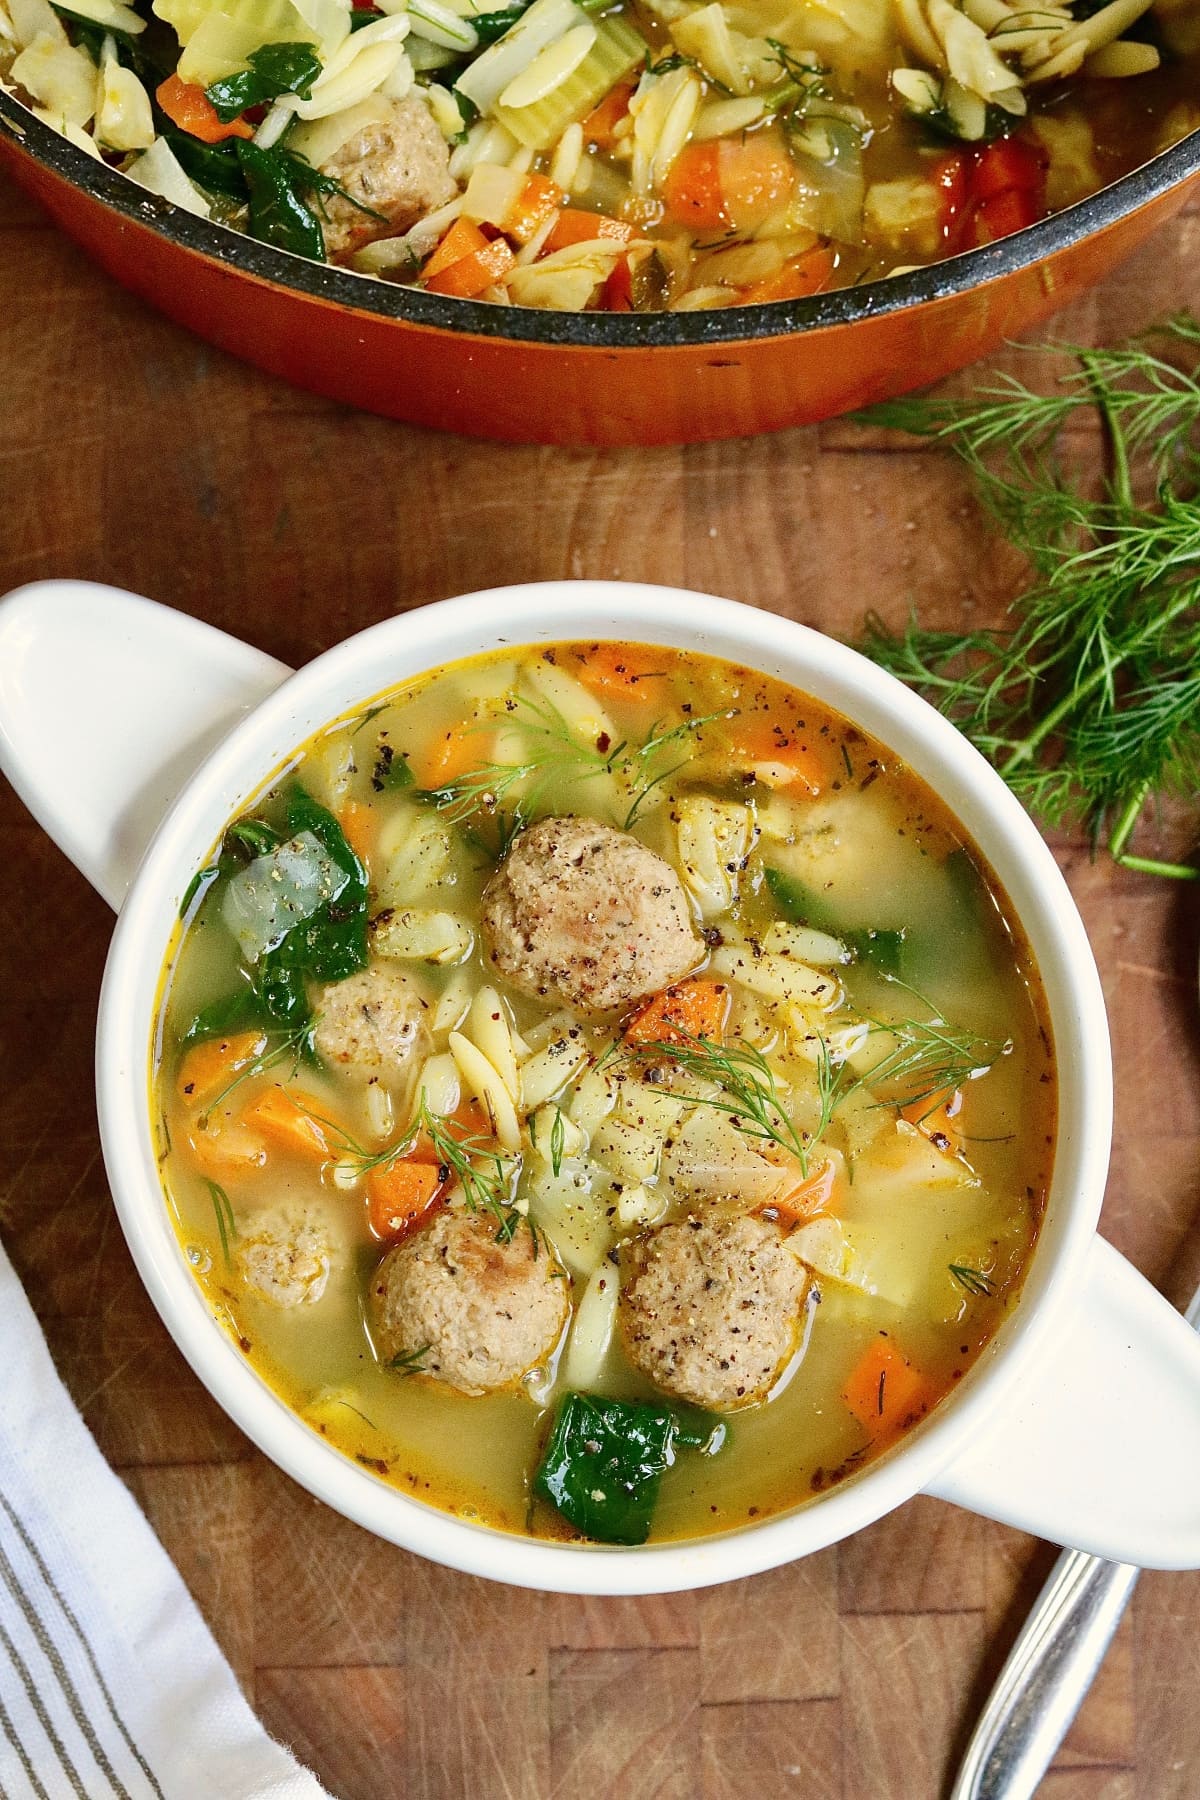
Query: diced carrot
[
  {"x": 358, "y": 823},
  {"x": 537, "y": 200},
  {"x": 1003, "y": 214},
  {"x": 934, "y": 1117},
  {"x": 447, "y": 757},
  {"x": 723, "y": 182},
  {"x": 463, "y": 237},
  {"x": 207, "y": 1068},
  {"x": 689, "y": 1009},
  {"x": 473, "y": 273},
  {"x": 779, "y": 757},
  {"x": 189, "y": 107},
  {"x": 810, "y": 1196},
  {"x": 885, "y": 1393},
  {"x": 615, "y": 672},
  {"x": 574, "y": 226},
  {"x": 400, "y": 1194},
  {"x": 599, "y": 128},
  {"x": 291, "y": 1123},
  {"x": 799, "y": 277},
  {"x": 1008, "y": 164}
]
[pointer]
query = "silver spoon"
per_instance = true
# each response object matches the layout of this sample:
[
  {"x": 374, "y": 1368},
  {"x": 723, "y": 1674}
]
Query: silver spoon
[{"x": 1049, "y": 1671}]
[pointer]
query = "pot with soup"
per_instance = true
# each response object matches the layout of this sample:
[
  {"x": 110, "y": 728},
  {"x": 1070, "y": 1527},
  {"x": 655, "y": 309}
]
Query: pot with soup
[{"x": 601, "y": 1094}]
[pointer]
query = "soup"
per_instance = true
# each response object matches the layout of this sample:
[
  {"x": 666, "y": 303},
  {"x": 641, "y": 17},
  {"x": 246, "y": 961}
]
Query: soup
[
  {"x": 615, "y": 155},
  {"x": 603, "y": 1092}
]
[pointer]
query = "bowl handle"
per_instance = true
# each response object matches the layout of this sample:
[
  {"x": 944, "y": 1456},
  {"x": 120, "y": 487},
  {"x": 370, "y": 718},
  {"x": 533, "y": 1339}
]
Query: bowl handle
[
  {"x": 1099, "y": 1447},
  {"x": 107, "y": 704}
]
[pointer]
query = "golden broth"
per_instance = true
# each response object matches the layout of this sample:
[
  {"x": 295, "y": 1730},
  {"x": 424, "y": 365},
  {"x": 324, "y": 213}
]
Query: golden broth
[{"x": 925, "y": 1238}]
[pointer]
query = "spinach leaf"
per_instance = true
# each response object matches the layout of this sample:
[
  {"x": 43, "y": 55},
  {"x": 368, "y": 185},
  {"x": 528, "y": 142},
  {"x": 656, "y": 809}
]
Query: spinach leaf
[
  {"x": 493, "y": 25},
  {"x": 212, "y": 166},
  {"x": 605, "y": 1459},
  {"x": 390, "y": 771},
  {"x": 335, "y": 937},
  {"x": 363, "y": 15},
  {"x": 274, "y": 69},
  {"x": 258, "y": 837},
  {"x": 800, "y": 906},
  {"x": 276, "y": 181},
  {"x": 239, "y": 1011}
]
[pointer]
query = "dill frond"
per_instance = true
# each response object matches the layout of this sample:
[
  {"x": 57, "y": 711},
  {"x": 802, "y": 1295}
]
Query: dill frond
[{"x": 1088, "y": 702}]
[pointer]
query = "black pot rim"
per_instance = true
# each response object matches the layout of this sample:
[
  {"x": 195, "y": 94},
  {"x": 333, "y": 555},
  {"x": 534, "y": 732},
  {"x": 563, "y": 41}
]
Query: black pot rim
[{"x": 602, "y": 331}]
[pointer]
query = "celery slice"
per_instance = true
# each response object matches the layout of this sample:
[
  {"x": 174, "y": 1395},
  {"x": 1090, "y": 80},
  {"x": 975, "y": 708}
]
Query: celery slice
[{"x": 617, "y": 49}]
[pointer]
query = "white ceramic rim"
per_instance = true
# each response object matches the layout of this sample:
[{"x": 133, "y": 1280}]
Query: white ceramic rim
[{"x": 384, "y": 656}]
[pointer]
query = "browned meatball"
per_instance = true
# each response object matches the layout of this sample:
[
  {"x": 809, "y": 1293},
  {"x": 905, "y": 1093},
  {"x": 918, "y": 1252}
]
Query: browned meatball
[
  {"x": 398, "y": 166},
  {"x": 587, "y": 913},
  {"x": 710, "y": 1308},
  {"x": 478, "y": 1313},
  {"x": 372, "y": 1023}
]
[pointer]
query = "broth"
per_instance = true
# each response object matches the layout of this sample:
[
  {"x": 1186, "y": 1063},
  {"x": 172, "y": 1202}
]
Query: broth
[{"x": 875, "y": 1102}]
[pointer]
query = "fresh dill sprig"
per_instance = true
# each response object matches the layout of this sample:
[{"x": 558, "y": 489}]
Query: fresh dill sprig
[
  {"x": 749, "y": 1090},
  {"x": 1088, "y": 702},
  {"x": 974, "y": 1281},
  {"x": 555, "y": 750},
  {"x": 930, "y": 1058},
  {"x": 225, "y": 1217},
  {"x": 293, "y": 1045},
  {"x": 408, "y": 1362}
]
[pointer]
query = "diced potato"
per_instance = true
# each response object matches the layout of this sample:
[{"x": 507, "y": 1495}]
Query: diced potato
[
  {"x": 420, "y": 934},
  {"x": 639, "y": 1207},
  {"x": 653, "y": 1109},
  {"x": 416, "y": 851},
  {"x": 631, "y": 1155},
  {"x": 708, "y": 1157},
  {"x": 551, "y": 1123},
  {"x": 592, "y": 1101},
  {"x": 573, "y": 1217}
]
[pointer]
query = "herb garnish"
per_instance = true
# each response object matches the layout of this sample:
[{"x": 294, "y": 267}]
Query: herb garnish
[
  {"x": 556, "y": 750},
  {"x": 223, "y": 1210},
  {"x": 973, "y": 1280},
  {"x": 410, "y": 1362},
  {"x": 1088, "y": 702}
]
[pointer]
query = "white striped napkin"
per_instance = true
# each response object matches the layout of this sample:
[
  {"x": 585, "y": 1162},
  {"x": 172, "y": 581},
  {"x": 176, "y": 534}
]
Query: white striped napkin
[{"x": 111, "y": 1685}]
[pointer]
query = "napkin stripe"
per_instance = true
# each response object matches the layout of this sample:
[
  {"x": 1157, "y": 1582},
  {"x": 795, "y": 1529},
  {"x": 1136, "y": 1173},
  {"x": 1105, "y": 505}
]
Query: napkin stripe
[
  {"x": 85, "y": 1645},
  {"x": 70, "y": 1692},
  {"x": 10, "y": 1732},
  {"x": 35, "y": 1700}
]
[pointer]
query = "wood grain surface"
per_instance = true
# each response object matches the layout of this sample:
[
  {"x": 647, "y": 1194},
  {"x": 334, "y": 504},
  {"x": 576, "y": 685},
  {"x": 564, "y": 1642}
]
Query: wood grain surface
[{"x": 131, "y": 453}]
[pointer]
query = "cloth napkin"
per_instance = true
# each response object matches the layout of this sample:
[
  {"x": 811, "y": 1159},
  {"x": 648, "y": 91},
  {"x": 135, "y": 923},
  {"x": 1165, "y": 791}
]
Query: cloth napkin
[{"x": 111, "y": 1685}]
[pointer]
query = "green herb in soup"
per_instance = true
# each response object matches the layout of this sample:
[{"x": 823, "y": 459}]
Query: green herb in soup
[
  {"x": 604, "y": 1093},
  {"x": 616, "y": 155}
]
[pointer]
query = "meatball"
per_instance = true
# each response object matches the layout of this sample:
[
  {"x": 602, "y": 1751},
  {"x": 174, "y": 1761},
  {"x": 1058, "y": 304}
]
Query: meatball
[
  {"x": 710, "y": 1308},
  {"x": 588, "y": 913},
  {"x": 397, "y": 165},
  {"x": 372, "y": 1023},
  {"x": 284, "y": 1255},
  {"x": 481, "y": 1312}
]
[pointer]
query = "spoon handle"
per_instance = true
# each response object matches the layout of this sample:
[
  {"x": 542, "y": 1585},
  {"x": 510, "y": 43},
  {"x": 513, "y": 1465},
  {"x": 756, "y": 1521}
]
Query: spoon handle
[{"x": 1049, "y": 1670}]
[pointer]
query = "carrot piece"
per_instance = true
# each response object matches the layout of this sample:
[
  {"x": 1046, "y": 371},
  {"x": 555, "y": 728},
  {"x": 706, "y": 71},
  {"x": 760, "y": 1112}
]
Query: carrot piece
[
  {"x": 400, "y": 1195},
  {"x": 810, "y": 1196},
  {"x": 472, "y": 274},
  {"x": 721, "y": 182},
  {"x": 689, "y": 1009},
  {"x": 446, "y": 758},
  {"x": 934, "y": 1118},
  {"x": 207, "y": 1068},
  {"x": 189, "y": 107},
  {"x": 574, "y": 226},
  {"x": 537, "y": 200},
  {"x": 600, "y": 126},
  {"x": 358, "y": 828},
  {"x": 884, "y": 1392},
  {"x": 799, "y": 277},
  {"x": 287, "y": 1122},
  {"x": 777, "y": 755},
  {"x": 615, "y": 672},
  {"x": 460, "y": 240}
]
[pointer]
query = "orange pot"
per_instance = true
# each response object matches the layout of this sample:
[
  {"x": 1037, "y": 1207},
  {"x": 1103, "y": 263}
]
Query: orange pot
[{"x": 584, "y": 378}]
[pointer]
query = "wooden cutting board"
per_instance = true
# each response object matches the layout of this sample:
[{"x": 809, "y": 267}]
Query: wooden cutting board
[{"x": 132, "y": 453}]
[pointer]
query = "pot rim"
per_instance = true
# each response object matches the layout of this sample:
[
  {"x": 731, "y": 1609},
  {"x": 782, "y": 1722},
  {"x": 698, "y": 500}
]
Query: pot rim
[
  {"x": 385, "y": 656},
  {"x": 600, "y": 331}
]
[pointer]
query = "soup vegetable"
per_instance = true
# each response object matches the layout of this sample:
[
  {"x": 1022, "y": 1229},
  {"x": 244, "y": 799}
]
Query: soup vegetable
[
  {"x": 603, "y": 1092},
  {"x": 621, "y": 155}
]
